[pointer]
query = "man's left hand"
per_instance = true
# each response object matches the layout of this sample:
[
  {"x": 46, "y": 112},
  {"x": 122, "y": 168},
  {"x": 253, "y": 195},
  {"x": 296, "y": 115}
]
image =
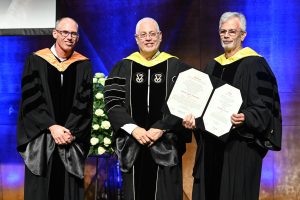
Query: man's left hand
[
  {"x": 154, "y": 134},
  {"x": 237, "y": 119}
]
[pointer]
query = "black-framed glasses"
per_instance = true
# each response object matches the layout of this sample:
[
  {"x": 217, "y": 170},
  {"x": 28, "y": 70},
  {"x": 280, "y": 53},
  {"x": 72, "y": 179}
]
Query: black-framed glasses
[
  {"x": 231, "y": 32},
  {"x": 143, "y": 35},
  {"x": 66, "y": 33}
]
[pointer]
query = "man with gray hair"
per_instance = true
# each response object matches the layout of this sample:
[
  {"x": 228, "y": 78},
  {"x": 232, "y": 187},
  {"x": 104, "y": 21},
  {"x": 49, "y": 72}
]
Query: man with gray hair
[
  {"x": 149, "y": 143},
  {"x": 229, "y": 168}
]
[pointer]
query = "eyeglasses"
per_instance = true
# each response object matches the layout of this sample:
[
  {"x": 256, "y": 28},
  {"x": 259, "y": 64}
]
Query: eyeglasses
[
  {"x": 144, "y": 35},
  {"x": 231, "y": 32},
  {"x": 66, "y": 33}
]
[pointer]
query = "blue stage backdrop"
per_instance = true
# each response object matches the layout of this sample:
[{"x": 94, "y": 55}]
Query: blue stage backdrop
[
  {"x": 273, "y": 34},
  {"x": 106, "y": 31}
]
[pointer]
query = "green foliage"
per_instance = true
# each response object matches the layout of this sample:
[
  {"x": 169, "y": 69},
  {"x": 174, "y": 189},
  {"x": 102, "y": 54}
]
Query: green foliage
[{"x": 101, "y": 136}]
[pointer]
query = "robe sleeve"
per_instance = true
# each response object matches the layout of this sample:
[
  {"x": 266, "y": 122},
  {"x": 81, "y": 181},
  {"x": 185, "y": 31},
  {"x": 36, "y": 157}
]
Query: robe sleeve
[
  {"x": 262, "y": 104},
  {"x": 34, "y": 115},
  {"x": 115, "y": 95},
  {"x": 33, "y": 141},
  {"x": 116, "y": 92}
]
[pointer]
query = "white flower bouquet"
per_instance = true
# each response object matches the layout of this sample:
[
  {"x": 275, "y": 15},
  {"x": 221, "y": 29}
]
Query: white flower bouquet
[{"x": 101, "y": 135}]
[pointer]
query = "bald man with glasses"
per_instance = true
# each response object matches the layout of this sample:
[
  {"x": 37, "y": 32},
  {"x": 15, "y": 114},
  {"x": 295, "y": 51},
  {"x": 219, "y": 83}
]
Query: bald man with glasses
[
  {"x": 55, "y": 117},
  {"x": 149, "y": 142}
]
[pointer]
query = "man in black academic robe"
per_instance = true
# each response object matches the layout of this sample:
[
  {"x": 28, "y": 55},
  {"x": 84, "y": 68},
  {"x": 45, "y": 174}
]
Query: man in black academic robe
[
  {"x": 149, "y": 143},
  {"x": 229, "y": 168},
  {"x": 55, "y": 118}
]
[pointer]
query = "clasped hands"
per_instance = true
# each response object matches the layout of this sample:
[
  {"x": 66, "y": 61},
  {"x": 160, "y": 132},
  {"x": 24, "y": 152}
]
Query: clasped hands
[
  {"x": 61, "y": 135},
  {"x": 147, "y": 137},
  {"x": 189, "y": 121}
]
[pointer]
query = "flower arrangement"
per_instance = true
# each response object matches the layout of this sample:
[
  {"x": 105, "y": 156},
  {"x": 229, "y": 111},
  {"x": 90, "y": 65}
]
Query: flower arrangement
[{"x": 101, "y": 135}]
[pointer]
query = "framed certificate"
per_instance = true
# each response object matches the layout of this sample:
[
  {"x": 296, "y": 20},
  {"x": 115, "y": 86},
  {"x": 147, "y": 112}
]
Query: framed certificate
[
  {"x": 194, "y": 93},
  {"x": 190, "y": 93},
  {"x": 225, "y": 101}
]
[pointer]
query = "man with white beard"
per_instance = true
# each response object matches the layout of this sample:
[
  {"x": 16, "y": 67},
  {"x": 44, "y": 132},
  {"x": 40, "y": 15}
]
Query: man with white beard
[{"x": 230, "y": 168}]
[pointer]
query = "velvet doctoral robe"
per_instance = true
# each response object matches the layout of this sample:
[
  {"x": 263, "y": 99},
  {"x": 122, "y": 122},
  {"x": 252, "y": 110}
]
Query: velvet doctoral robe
[
  {"x": 60, "y": 93},
  {"x": 135, "y": 93},
  {"x": 231, "y": 169}
]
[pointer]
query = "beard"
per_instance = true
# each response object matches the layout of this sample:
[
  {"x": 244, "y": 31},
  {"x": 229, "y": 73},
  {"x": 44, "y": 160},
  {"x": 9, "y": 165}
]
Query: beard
[
  {"x": 235, "y": 45},
  {"x": 228, "y": 47}
]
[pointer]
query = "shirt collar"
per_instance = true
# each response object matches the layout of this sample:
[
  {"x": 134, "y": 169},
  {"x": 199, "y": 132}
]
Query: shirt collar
[{"x": 53, "y": 50}]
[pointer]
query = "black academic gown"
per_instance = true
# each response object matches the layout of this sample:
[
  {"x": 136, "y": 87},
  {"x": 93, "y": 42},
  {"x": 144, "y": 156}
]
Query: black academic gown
[
  {"x": 51, "y": 97},
  {"x": 155, "y": 172},
  {"x": 231, "y": 169}
]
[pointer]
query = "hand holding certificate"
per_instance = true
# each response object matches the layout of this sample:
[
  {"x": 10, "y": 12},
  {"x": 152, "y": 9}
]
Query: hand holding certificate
[{"x": 192, "y": 94}]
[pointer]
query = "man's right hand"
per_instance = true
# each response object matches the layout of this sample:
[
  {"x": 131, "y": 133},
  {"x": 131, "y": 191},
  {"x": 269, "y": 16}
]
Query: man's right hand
[
  {"x": 61, "y": 135},
  {"x": 140, "y": 134},
  {"x": 189, "y": 121}
]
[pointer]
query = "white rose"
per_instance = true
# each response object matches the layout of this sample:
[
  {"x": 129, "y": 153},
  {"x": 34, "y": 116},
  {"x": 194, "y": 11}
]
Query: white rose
[
  {"x": 101, "y": 150},
  {"x": 102, "y": 81},
  {"x": 99, "y": 95},
  {"x": 94, "y": 141},
  {"x": 106, "y": 141},
  {"x": 95, "y": 80},
  {"x": 99, "y": 112},
  {"x": 96, "y": 126},
  {"x": 99, "y": 75},
  {"x": 105, "y": 125}
]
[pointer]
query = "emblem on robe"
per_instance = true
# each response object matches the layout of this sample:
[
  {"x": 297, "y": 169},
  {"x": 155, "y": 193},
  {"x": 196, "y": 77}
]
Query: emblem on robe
[
  {"x": 174, "y": 79},
  {"x": 158, "y": 78},
  {"x": 139, "y": 77}
]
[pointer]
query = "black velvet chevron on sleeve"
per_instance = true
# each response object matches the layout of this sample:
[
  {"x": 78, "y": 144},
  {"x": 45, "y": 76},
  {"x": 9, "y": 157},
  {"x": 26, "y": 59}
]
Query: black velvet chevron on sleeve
[
  {"x": 116, "y": 91},
  {"x": 35, "y": 115}
]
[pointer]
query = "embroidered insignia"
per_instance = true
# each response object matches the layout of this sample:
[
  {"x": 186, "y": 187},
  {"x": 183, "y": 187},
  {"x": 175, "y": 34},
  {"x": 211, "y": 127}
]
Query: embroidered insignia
[
  {"x": 158, "y": 78},
  {"x": 139, "y": 77},
  {"x": 174, "y": 79}
]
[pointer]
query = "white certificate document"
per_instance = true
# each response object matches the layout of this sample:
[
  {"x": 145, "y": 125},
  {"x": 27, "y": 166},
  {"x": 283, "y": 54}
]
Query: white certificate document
[
  {"x": 190, "y": 93},
  {"x": 226, "y": 100}
]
